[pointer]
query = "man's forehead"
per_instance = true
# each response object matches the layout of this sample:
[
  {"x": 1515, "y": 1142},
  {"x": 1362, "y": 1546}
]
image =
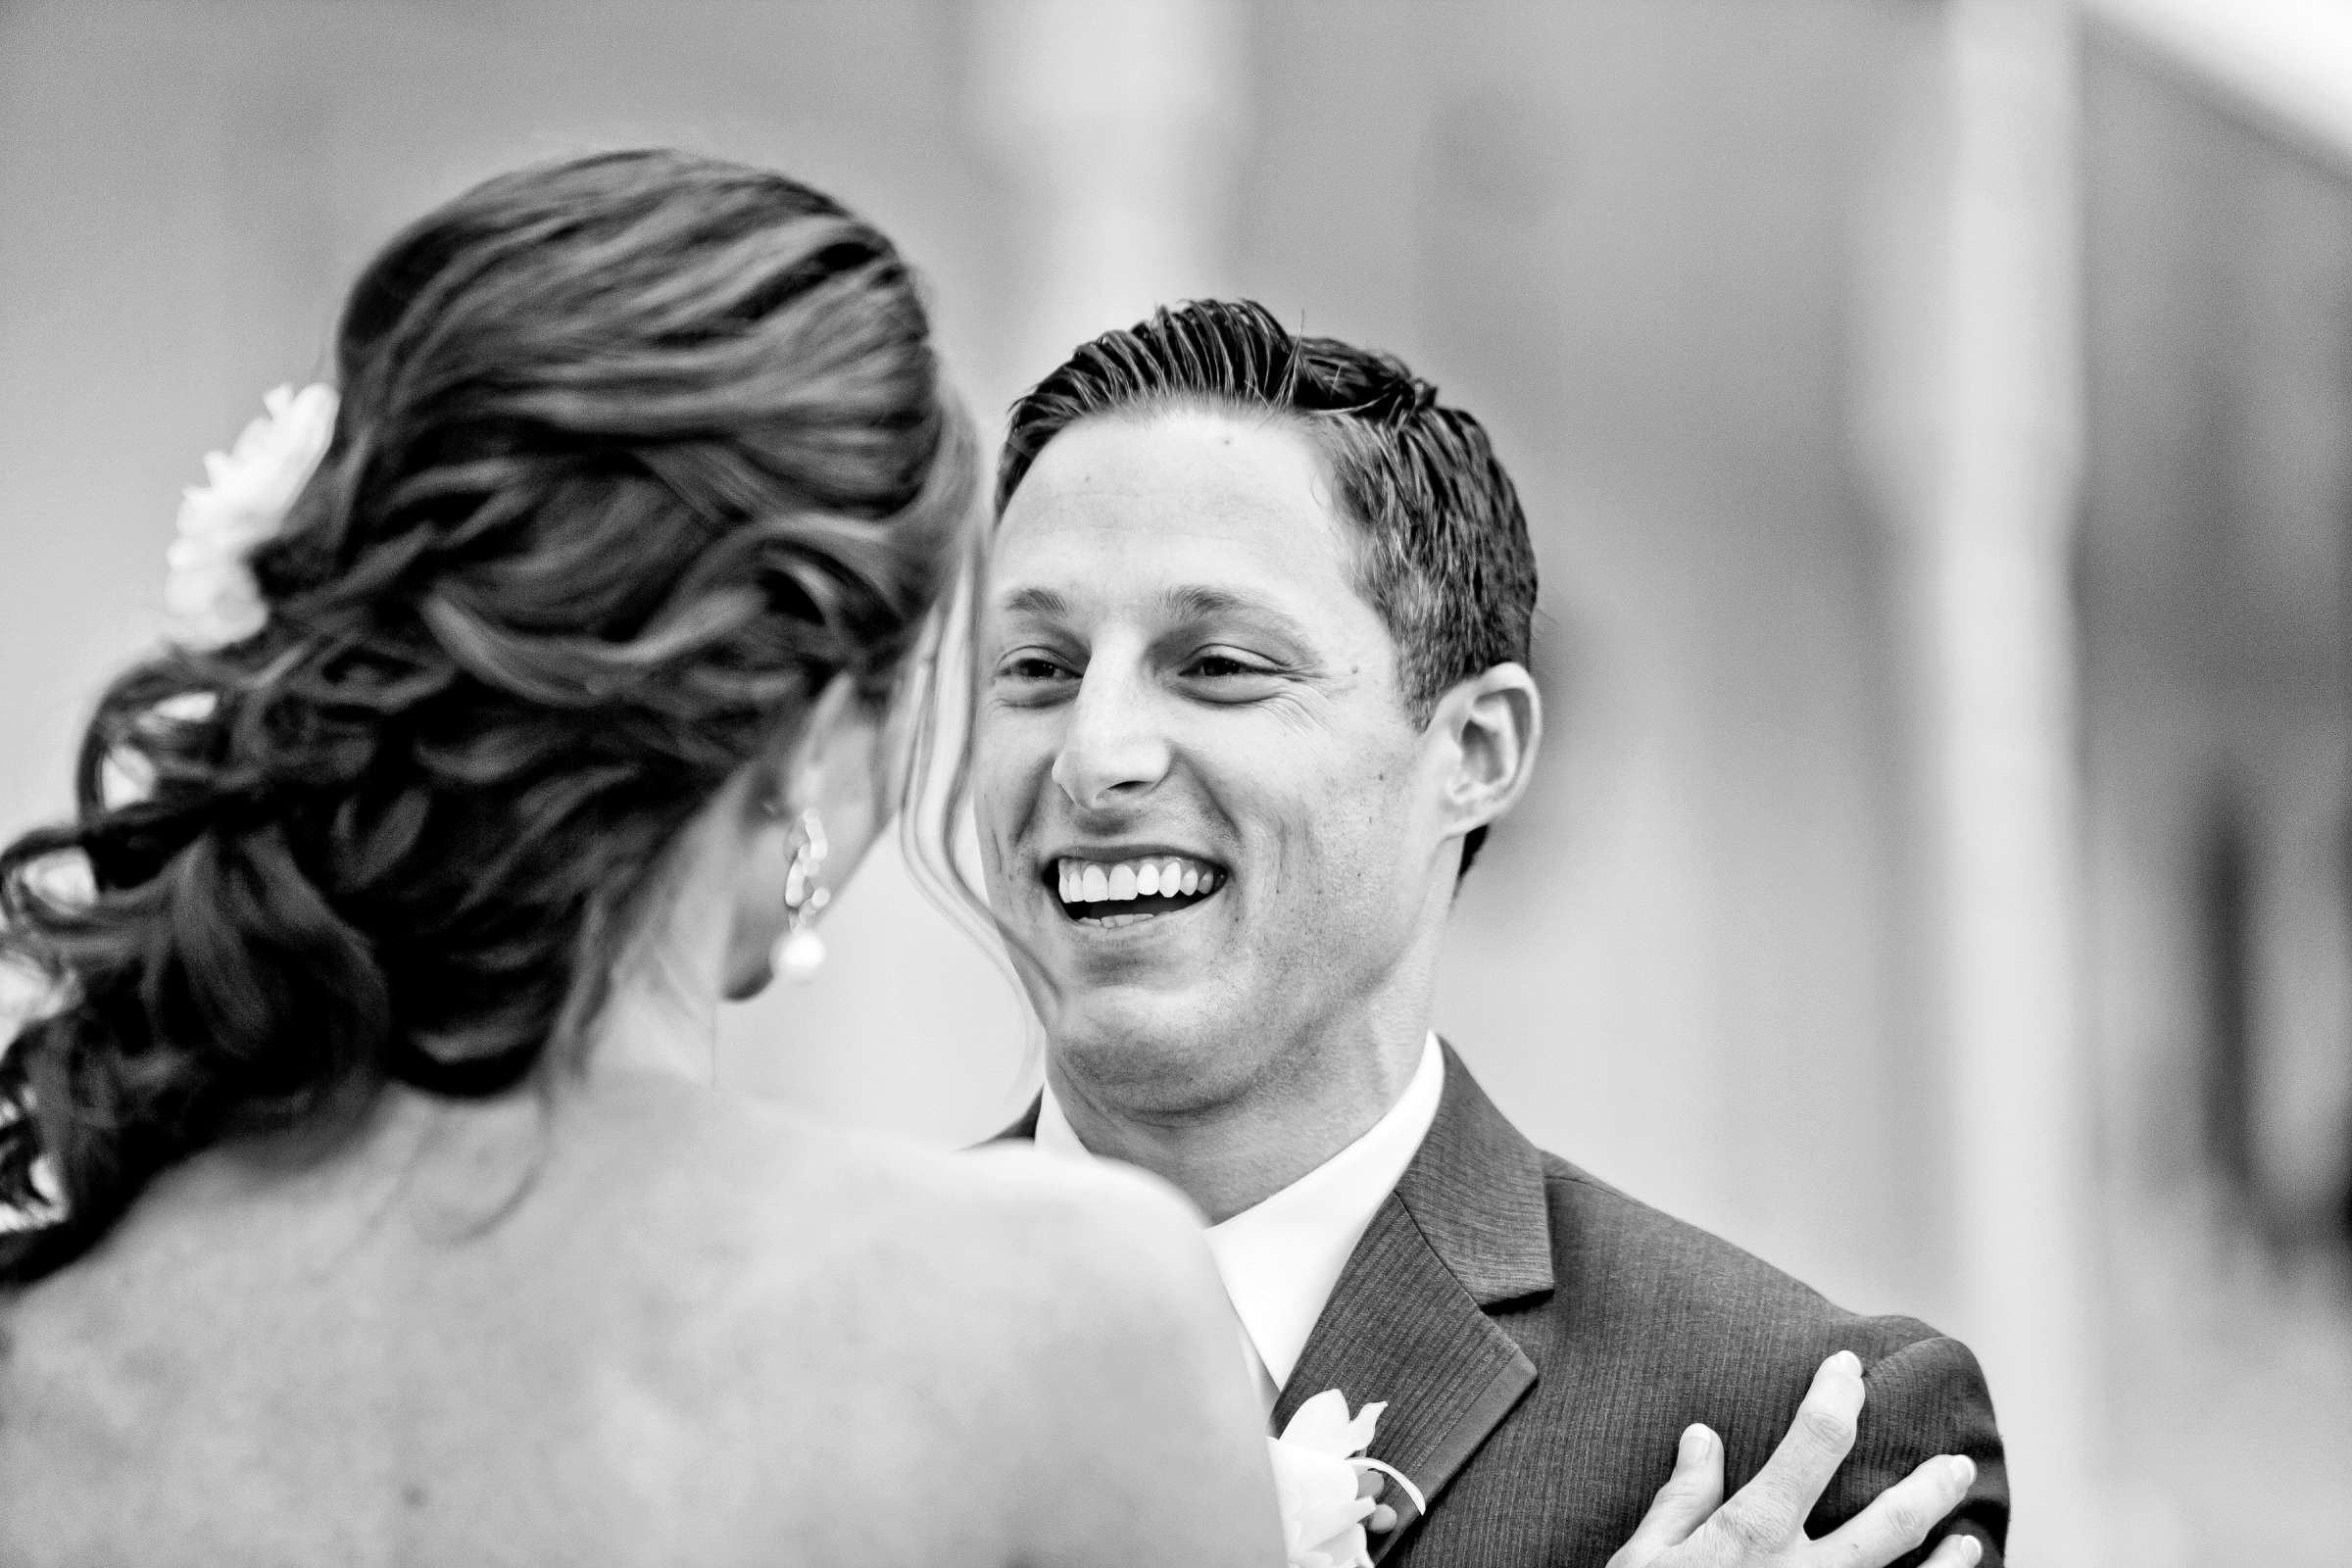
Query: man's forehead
[
  {"x": 1231, "y": 457},
  {"x": 1189, "y": 504}
]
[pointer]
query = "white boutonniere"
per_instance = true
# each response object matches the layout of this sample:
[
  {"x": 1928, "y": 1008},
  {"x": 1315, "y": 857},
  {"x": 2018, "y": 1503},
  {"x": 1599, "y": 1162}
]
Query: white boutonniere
[
  {"x": 246, "y": 491},
  {"x": 1318, "y": 1461}
]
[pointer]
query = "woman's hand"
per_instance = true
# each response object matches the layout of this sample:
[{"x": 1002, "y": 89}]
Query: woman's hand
[{"x": 1763, "y": 1526}]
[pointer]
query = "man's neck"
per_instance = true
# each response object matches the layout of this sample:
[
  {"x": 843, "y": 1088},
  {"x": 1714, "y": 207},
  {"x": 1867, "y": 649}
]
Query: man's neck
[{"x": 1234, "y": 1155}]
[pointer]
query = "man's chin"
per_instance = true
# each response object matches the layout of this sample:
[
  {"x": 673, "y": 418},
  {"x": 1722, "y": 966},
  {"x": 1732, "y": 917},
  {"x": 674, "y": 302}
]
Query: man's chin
[{"x": 1142, "y": 1046}]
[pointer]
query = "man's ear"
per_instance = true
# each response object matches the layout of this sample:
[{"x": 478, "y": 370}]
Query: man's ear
[{"x": 1489, "y": 726}]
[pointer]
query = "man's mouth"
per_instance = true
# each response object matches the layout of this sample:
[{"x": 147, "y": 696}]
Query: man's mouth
[{"x": 1116, "y": 892}]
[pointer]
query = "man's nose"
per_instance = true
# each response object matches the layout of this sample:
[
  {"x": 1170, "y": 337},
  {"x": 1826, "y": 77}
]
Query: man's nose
[{"x": 1113, "y": 748}]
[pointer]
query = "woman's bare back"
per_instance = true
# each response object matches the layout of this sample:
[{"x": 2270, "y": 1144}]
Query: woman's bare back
[{"x": 635, "y": 1323}]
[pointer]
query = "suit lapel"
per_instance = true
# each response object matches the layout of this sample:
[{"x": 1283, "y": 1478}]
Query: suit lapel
[{"x": 1467, "y": 1228}]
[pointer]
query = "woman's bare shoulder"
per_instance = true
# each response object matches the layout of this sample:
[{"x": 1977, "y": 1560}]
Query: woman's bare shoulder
[
  {"x": 1000, "y": 1225},
  {"x": 1100, "y": 1238},
  {"x": 994, "y": 1314},
  {"x": 1062, "y": 1323},
  {"x": 1004, "y": 1234}
]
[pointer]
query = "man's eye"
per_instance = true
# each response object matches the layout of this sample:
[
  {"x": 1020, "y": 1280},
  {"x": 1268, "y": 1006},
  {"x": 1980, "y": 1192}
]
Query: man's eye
[
  {"x": 1032, "y": 668},
  {"x": 1226, "y": 670}
]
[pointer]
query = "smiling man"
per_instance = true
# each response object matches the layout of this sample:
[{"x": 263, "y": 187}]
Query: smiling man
[{"x": 1255, "y": 687}]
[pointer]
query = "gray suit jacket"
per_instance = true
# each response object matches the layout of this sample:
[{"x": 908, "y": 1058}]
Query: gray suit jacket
[{"x": 1542, "y": 1340}]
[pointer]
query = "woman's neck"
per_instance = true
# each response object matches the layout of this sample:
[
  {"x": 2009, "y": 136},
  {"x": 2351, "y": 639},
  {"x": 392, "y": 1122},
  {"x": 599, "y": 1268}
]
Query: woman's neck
[
  {"x": 656, "y": 1022},
  {"x": 662, "y": 1014}
]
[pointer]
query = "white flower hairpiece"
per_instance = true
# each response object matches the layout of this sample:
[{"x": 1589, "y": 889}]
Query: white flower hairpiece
[
  {"x": 1317, "y": 1461},
  {"x": 210, "y": 591}
]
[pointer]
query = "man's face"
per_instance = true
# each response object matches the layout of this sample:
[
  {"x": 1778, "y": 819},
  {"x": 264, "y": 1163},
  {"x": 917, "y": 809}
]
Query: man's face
[{"x": 1209, "y": 821}]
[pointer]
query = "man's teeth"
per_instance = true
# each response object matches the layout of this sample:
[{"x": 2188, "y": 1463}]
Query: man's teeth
[{"x": 1162, "y": 877}]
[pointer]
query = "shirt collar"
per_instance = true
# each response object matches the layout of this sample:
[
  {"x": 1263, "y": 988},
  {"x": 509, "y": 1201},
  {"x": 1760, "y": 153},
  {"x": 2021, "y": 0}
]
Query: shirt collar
[{"x": 1280, "y": 1258}]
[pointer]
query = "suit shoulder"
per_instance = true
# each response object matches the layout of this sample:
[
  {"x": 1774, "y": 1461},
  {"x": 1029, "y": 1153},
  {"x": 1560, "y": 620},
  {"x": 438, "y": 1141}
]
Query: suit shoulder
[{"x": 1656, "y": 1263}]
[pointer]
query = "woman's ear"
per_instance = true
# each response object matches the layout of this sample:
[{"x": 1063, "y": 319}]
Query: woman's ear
[
  {"x": 1489, "y": 726},
  {"x": 808, "y": 758}
]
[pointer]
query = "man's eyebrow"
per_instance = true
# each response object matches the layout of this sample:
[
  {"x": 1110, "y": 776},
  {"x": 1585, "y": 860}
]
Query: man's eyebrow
[
  {"x": 1180, "y": 605},
  {"x": 1207, "y": 604},
  {"x": 1044, "y": 604}
]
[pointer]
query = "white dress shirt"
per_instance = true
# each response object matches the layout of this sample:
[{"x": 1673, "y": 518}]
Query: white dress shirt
[{"x": 1280, "y": 1257}]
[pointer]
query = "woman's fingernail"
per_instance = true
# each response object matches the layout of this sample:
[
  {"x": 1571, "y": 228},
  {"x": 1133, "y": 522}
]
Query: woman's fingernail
[
  {"x": 1848, "y": 1363},
  {"x": 1975, "y": 1552},
  {"x": 1964, "y": 1470}
]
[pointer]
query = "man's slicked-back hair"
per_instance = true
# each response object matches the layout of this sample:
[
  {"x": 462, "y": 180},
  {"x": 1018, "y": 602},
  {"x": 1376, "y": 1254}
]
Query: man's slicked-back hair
[{"x": 1443, "y": 552}]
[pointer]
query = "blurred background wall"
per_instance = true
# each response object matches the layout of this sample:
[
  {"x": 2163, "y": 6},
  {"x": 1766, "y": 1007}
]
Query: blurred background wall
[{"x": 1933, "y": 418}]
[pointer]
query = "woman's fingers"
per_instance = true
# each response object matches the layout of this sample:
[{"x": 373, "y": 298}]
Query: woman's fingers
[
  {"x": 1371, "y": 1484},
  {"x": 1901, "y": 1517},
  {"x": 1955, "y": 1551},
  {"x": 1769, "y": 1512},
  {"x": 1683, "y": 1503},
  {"x": 1764, "y": 1522}
]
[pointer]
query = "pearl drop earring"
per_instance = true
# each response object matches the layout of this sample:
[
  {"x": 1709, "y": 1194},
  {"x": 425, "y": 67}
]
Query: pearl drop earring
[{"x": 800, "y": 951}]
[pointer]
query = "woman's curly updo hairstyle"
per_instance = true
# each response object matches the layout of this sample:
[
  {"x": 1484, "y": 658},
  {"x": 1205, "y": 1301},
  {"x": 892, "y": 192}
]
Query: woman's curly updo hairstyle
[{"x": 636, "y": 452}]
